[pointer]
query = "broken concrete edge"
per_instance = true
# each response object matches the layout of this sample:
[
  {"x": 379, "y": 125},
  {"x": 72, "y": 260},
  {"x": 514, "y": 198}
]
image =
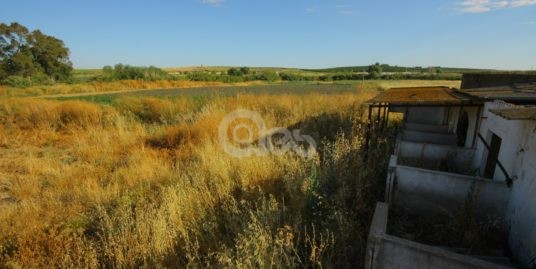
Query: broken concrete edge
[
  {"x": 377, "y": 231},
  {"x": 391, "y": 174},
  {"x": 454, "y": 175}
]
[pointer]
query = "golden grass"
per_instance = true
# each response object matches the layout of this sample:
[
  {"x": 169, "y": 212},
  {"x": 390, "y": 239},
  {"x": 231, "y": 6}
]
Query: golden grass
[{"x": 144, "y": 183}]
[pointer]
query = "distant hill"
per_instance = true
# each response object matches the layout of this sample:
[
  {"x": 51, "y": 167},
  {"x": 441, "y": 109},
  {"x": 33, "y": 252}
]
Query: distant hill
[{"x": 397, "y": 69}]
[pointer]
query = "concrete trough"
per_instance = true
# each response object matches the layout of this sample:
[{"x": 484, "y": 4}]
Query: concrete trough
[
  {"x": 387, "y": 251},
  {"x": 433, "y": 192},
  {"x": 457, "y": 157}
]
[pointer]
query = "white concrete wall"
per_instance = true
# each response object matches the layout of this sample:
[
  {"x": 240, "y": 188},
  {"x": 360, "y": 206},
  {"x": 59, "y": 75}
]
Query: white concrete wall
[
  {"x": 454, "y": 115},
  {"x": 457, "y": 156},
  {"x": 427, "y": 115},
  {"x": 438, "y": 116},
  {"x": 474, "y": 118},
  {"x": 511, "y": 133},
  {"x": 427, "y": 137},
  {"x": 433, "y": 192},
  {"x": 522, "y": 206},
  {"x": 518, "y": 156}
]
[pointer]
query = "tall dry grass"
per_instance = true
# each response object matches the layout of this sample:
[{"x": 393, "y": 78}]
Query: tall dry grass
[{"x": 144, "y": 183}]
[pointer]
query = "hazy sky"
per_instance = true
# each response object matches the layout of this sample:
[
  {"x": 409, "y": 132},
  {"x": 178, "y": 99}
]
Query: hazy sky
[{"x": 293, "y": 33}]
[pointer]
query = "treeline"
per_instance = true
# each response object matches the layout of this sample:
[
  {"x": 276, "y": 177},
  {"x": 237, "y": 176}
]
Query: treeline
[
  {"x": 398, "y": 69},
  {"x": 32, "y": 58},
  {"x": 372, "y": 72},
  {"x": 392, "y": 76},
  {"x": 283, "y": 76},
  {"x": 151, "y": 73},
  {"x": 232, "y": 75},
  {"x": 128, "y": 72},
  {"x": 243, "y": 74}
]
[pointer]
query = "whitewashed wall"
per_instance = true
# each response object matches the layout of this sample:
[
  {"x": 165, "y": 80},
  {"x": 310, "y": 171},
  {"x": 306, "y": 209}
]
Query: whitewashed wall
[
  {"x": 522, "y": 206},
  {"x": 518, "y": 156},
  {"x": 427, "y": 115}
]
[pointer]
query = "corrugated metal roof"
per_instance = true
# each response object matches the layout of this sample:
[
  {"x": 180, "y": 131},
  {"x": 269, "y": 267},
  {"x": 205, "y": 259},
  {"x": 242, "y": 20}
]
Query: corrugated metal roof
[
  {"x": 512, "y": 92},
  {"x": 492, "y": 79},
  {"x": 423, "y": 96},
  {"x": 516, "y": 113}
]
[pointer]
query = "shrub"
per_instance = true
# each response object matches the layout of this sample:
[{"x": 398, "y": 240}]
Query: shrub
[
  {"x": 78, "y": 114},
  {"x": 17, "y": 81},
  {"x": 296, "y": 77},
  {"x": 35, "y": 114},
  {"x": 174, "y": 137},
  {"x": 270, "y": 76}
]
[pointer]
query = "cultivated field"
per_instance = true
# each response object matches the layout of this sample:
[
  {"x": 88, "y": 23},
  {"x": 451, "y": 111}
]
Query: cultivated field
[
  {"x": 122, "y": 86},
  {"x": 100, "y": 87}
]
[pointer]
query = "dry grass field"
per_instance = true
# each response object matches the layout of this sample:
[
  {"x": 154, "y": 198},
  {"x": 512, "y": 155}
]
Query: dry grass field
[{"x": 142, "y": 182}]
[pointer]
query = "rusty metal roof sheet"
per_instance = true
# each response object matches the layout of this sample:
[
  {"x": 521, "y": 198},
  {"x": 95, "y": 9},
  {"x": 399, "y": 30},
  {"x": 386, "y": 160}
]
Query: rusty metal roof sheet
[
  {"x": 516, "y": 113},
  {"x": 512, "y": 92},
  {"x": 423, "y": 96}
]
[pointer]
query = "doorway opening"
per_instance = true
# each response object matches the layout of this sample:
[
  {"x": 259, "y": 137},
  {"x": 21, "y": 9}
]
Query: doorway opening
[
  {"x": 461, "y": 130},
  {"x": 493, "y": 155}
]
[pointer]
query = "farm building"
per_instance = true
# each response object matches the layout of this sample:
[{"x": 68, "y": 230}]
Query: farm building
[{"x": 471, "y": 150}]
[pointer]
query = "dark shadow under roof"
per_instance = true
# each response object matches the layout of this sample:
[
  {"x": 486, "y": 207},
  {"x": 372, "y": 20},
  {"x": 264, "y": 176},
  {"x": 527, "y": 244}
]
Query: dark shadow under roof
[{"x": 422, "y": 96}]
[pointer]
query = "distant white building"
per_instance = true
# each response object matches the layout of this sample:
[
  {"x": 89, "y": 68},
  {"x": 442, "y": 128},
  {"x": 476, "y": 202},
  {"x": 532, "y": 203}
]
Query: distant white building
[{"x": 479, "y": 139}]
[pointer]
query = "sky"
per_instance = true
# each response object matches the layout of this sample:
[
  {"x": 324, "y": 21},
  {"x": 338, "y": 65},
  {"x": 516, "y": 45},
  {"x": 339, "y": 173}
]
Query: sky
[{"x": 495, "y": 34}]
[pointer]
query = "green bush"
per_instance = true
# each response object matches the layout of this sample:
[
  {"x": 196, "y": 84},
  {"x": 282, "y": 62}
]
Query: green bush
[
  {"x": 18, "y": 81},
  {"x": 297, "y": 77},
  {"x": 270, "y": 76}
]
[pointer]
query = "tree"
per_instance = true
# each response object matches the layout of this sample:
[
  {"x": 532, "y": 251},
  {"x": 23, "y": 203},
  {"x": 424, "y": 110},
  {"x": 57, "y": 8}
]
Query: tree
[
  {"x": 233, "y": 72},
  {"x": 244, "y": 70},
  {"x": 238, "y": 72},
  {"x": 22, "y": 64},
  {"x": 12, "y": 38},
  {"x": 375, "y": 71},
  {"x": 27, "y": 54},
  {"x": 52, "y": 55}
]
